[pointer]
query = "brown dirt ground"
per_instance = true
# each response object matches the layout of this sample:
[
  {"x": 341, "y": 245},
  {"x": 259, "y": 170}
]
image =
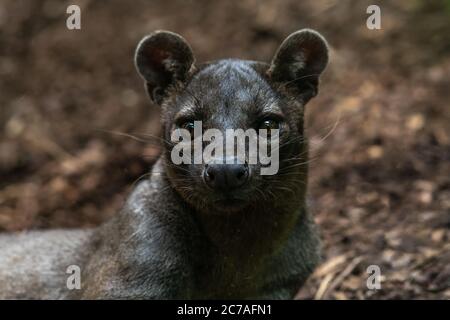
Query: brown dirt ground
[{"x": 379, "y": 130}]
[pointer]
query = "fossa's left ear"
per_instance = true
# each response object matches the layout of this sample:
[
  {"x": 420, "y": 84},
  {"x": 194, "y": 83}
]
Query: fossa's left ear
[{"x": 299, "y": 61}]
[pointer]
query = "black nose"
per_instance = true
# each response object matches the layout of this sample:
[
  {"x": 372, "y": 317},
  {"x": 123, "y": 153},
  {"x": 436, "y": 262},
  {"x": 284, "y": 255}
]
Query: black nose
[{"x": 225, "y": 176}]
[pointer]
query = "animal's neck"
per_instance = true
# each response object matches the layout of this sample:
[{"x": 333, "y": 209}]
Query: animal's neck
[
  {"x": 241, "y": 246},
  {"x": 257, "y": 230}
]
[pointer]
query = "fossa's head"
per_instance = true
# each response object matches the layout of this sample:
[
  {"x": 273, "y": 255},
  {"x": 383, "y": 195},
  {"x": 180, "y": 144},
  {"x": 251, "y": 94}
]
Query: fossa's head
[{"x": 234, "y": 94}]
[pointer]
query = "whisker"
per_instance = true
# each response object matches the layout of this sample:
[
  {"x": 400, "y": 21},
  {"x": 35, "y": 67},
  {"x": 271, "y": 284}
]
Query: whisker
[
  {"x": 123, "y": 134},
  {"x": 302, "y": 77}
]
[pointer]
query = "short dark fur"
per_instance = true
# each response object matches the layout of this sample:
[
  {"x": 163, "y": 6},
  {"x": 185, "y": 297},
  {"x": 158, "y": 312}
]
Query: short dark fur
[{"x": 177, "y": 238}]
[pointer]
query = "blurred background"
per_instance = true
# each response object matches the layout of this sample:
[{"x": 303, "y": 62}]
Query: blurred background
[{"x": 379, "y": 129}]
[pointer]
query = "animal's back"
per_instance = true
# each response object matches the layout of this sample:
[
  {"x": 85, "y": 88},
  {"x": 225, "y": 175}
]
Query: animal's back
[{"x": 33, "y": 264}]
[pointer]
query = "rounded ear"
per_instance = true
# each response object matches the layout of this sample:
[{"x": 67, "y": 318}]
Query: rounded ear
[
  {"x": 299, "y": 61},
  {"x": 163, "y": 58}
]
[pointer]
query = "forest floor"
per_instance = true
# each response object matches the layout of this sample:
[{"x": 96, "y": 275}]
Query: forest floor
[{"x": 379, "y": 129}]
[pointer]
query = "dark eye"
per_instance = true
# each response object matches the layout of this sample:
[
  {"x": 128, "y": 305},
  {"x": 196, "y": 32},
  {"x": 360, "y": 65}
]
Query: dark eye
[
  {"x": 188, "y": 125},
  {"x": 269, "y": 124}
]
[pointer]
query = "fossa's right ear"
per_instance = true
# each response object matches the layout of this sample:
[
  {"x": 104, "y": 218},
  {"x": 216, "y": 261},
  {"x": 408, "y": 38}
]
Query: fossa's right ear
[{"x": 163, "y": 59}]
